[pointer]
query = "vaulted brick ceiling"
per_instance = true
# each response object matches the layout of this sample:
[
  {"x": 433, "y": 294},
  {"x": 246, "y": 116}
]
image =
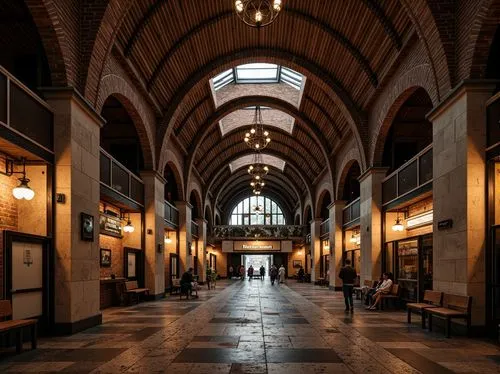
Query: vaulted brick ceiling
[{"x": 344, "y": 48}]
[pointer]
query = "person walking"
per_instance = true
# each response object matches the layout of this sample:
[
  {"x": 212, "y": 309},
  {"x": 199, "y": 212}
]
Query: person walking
[
  {"x": 242, "y": 272},
  {"x": 281, "y": 273},
  {"x": 262, "y": 272},
  {"x": 231, "y": 271},
  {"x": 250, "y": 273},
  {"x": 273, "y": 273},
  {"x": 348, "y": 276}
]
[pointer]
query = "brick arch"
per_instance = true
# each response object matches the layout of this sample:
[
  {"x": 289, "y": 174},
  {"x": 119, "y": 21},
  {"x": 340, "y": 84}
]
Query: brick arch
[
  {"x": 47, "y": 21},
  {"x": 325, "y": 189},
  {"x": 346, "y": 165},
  {"x": 210, "y": 219},
  {"x": 296, "y": 220},
  {"x": 138, "y": 110},
  {"x": 435, "y": 32},
  {"x": 485, "y": 24},
  {"x": 176, "y": 168},
  {"x": 101, "y": 22},
  {"x": 404, "y": 87},
  {"x": 196, "y": 191},
  {"x": 307, "y": 206}
]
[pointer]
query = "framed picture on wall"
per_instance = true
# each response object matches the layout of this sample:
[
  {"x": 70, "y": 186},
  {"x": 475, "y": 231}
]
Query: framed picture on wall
[
  {"x": 105, "y": 258},
  {"x": 87, "y": 227},
  {"x": 297, "y": 263}
]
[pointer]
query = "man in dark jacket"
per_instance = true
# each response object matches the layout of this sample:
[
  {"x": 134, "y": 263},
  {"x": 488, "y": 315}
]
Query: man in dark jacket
[
  {"x": 348, "y": 276},
  {"x": 187, "y": 281}
]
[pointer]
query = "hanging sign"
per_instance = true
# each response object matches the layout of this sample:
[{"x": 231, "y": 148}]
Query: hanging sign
[
  {"x": 111, "y": 226},
  {"x": 256, "y": 246}
]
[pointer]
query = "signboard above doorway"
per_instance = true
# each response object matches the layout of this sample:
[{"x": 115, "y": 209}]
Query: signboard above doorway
[{"x": 256, "y": 246}]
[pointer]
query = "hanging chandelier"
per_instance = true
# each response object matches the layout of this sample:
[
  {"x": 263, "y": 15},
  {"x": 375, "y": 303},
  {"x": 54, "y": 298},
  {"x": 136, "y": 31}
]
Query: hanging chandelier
[
  {"x": 258, "y": 170},
  {"x": 257, "y": 138},
  {"x": 257, "y": 189},
  {"x": 258, "y": 13}
]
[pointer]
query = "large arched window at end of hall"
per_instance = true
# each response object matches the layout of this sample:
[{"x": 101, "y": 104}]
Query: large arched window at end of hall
[{"x": 257, "y": 210}]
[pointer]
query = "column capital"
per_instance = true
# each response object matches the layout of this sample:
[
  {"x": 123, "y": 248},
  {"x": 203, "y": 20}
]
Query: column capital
[
  {"x": 337, "y": 203},
  {"x": 466, "y": 86},
  {"x": 373, "y": 170},
  {"x": 70, "y": 93},
  {"x": 154, "y": 174}
]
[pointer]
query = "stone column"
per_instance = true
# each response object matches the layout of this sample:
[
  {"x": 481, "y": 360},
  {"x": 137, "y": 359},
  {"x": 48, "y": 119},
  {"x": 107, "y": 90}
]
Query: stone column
[
  {"x": 154, "y": 214},
  {"x": 336, "y": 215},
  {"x": 185, "y": 238},
  {"x": 459, "y": 143},
  {"x": 315, "y": 248},
  {"x": 371, "y": 222},
  {"x": 202, "y": 247},
  {"x": 76, "y": 145}
]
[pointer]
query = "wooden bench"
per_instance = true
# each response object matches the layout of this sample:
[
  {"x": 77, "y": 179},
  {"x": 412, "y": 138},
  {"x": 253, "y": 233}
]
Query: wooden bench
[
  {"x": 185, "y": 291},
  {"x": 454, "y": 306},
  {"x": 359, "y": 290},
  {"x": 432, "y": 299},
  {"x": 176, "y": 286},
  {"x": 392, "y": 295},
  {"x": 7, "y": 326},
  {"x": 133, "y": 290}
]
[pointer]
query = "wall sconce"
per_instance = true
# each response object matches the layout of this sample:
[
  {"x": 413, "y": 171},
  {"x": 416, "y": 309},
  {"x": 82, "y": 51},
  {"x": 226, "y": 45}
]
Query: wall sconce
[
  {"x": 398, "y": 226},
  {"x": 167, "y": 239},
  {"x": 23, "y": 191},
  {"x": 128, "y": 227}
]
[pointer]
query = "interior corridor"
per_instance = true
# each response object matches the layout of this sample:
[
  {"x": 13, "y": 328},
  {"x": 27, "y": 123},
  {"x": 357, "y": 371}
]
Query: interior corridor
[{"x": 253, "y": 327}]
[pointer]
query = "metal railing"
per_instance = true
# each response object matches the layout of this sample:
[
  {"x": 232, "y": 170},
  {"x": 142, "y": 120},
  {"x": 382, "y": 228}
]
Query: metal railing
[
  {"x": 351, "y": 212},
  {"x": 414, "y": 174},
  {"x": 121, "y": 180},
  {"x": 324, "y": 227},
  {"x": 195, "y": 229},
  {"x": 24, "y": 112},
  {"x": 171, "y": 214},
  {"x": 259, "y": 231}
]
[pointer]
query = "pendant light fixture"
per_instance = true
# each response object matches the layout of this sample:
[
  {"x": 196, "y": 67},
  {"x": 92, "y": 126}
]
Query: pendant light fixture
[
  {"x": 257, "y": 138},
  {"x": 398, "y": 226},
  {"x": 128, "y": 227},
  {"x": 23, "y": 191},
  {"x": 258, "y": 13},
  {"x": 167, "y": 239}
]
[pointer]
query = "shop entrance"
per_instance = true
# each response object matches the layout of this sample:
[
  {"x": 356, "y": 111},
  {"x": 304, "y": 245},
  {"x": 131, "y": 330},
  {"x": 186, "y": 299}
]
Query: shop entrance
[{"x": 257, "y": 261}]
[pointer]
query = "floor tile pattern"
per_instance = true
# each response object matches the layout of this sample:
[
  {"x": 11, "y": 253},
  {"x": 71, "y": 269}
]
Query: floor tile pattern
[{"x": 253, "y": 327}]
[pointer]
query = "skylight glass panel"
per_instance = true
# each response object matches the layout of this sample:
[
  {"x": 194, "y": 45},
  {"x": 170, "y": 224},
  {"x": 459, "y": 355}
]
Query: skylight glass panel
[
  {"x": 257, "y": 73},
  {"x": 223, "y": 79},
  {"x": 291, "y": 77}
]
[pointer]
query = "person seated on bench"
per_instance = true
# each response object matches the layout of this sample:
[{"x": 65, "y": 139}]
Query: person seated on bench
[
  {"x": 250, "y": 272},
  {"x": 187, "y": 282},
  {"x": 371, "y": 291},
  {"x": 384, "y": 288},
  {"x": 301, "y": 274}
]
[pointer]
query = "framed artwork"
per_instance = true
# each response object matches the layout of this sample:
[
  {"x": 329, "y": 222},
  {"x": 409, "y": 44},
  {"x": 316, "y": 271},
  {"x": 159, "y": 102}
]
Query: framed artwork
[
  {"x": 87, "y": 227},
  {"x": 105, "y": 258},
  {"x": 297, "y": 263}
]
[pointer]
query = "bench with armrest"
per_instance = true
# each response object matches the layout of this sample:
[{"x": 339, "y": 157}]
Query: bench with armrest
[
  {"x": 367, "y": 284},
  {"x": 185, "y": 290},
  {"x": 392, "y": 295},
  {"x": 432, "y": 299},
  {"x": 8, "y": 325},
  {"x": 454, "y": 306},
  {"x": 132, "y": 290},
  {"x": 176, "y": 286}
]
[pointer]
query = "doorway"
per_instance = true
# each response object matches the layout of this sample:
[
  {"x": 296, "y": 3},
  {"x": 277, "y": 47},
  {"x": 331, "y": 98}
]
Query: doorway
[{"x": 257, "y": 261}]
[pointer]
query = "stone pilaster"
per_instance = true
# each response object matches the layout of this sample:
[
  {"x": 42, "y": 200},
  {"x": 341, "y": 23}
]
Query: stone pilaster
[
  {"x": 202, "y": 247},
  {"x": 76, "y": 143},
  {"x": 315, "y": 248},
  {"x": 336, "y": 210},
  {"x": 185, "y": 238},
  {"x": 459, "y": 142},
  {"x": 154, "y": 214},
  {"x": 371, "y": 222}
]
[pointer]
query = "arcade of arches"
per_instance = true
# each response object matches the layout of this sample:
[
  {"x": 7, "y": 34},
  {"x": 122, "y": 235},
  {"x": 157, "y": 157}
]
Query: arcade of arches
[{"x": 128, "y": 120}]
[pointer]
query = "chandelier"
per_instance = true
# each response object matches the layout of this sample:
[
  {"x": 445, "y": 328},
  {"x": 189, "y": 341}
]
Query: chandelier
[
  {"x": 257, "y": 13},
  {"x": 257, "y": 189},
  {"x": 258, "y": 170},
  {"x": 257, "y": 138}
]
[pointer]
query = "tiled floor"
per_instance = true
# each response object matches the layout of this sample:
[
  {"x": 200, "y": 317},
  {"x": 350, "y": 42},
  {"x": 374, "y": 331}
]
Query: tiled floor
[{"x": 253, "y": 327}]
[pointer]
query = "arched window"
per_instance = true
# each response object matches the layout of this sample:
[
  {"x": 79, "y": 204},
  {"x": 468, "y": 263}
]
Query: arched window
[{"x": 257, "y": 210}]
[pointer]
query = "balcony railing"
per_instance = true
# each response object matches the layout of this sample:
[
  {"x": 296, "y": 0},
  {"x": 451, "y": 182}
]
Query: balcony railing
[
  {"x": 351, "y": 212},
  {"x": 171, "y": 214},
  {"x": 121, "y": 180},
  {"x": 258, "y": 231},
  {"x": 324, "y": 227},
  {"x": 24, "y": 112},
  {"x": 195, "y": 230},
  {"x": 414, "y": 174}
]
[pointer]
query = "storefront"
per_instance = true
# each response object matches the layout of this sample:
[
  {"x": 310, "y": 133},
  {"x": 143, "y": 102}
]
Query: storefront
[
  {"x": 408, "y": 247},
  {"x": 27, "y": 202},
  {"x": 172, "y": 263},
  {"x": 351, "y": 236}
]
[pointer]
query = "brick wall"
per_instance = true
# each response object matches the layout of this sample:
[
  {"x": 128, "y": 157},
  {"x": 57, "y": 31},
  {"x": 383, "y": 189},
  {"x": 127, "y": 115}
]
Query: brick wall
[{"x": 116, "y": 247}]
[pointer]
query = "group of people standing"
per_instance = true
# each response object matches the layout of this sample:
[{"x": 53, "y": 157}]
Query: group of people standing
[{"x": 274, "y": 273}]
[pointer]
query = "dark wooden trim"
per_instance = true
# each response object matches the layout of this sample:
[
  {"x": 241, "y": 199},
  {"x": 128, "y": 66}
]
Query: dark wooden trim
[
  {"x": 385, "y": 22},
  {"x": 27, "y": 290},
  {"x": 325, "y": 114},
  {"x": 108, "y": 194},
  {"x": 407, "y": 197},
  {"x": 24, "y": 143},
  {"x": 180, "y": 127},
  {"x": 69, "y": 328}
]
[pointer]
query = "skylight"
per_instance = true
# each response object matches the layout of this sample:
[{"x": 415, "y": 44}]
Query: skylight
[
  {"x": 246, "y": 160},
  {"x": 258, "y": 73}
]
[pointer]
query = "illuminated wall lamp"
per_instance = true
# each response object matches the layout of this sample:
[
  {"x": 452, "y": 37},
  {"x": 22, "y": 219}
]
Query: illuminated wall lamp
[
  {"x": 398, "y": 226},
  {"x": 23, "y": 191},
  {"x": 128, "y": 227},
  {"x": 167, "y": 239}
]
